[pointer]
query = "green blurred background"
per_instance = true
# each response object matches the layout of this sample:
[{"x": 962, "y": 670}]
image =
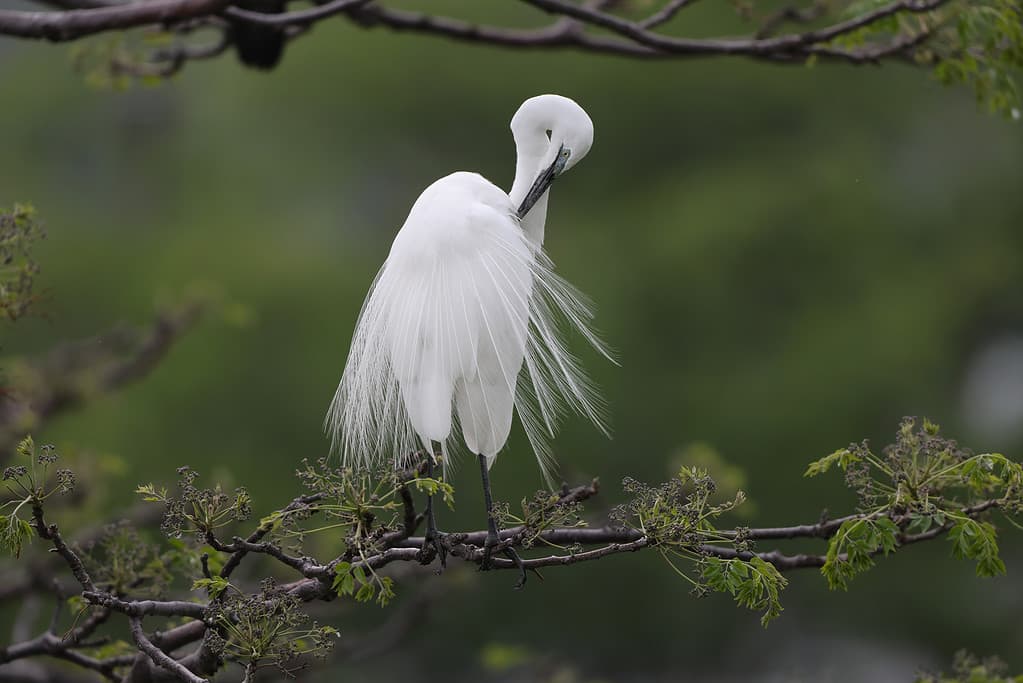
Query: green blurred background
[{"x": 786, "y": 259}]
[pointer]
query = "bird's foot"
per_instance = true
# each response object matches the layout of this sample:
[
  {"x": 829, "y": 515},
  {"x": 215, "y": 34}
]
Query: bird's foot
[
  {"x": 434, "y": 546},
  {"x": 487, "y": 561}
]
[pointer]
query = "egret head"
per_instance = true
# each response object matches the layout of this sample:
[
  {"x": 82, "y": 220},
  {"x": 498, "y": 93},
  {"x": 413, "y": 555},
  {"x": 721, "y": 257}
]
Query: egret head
[{"x": 555, "y": 129}]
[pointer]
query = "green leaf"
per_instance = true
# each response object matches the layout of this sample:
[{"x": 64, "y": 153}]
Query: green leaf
[
  {"x": 386, "y": 591},
  {"x": 366, "y": 592},
  {"x": 344, "y": 582},
  {"x": 26, "y": 447},
  {"x": 851, "y": 549},
  {"x": 755, "y": 584},
  {"x": 14, "y": 534},
  {"x": 842, "y": 457},
  {"x": 150, "y": 494},
  {"x": 978, "y": 541},
  {"x": 214, "y": 586},
  {"x": 272, "y": 522}
]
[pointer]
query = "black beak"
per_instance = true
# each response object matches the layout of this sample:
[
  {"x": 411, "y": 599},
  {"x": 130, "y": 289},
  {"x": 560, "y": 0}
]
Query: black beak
[{"x": 543, "y": 182}]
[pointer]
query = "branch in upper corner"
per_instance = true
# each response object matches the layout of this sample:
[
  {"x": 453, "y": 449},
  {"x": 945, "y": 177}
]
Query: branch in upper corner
[{"x": 978, "y": 43}]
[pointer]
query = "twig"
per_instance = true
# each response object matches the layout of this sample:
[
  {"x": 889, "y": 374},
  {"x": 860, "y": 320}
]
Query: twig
[
  {"x": 51, "y": 533},
  {"x": 302, "y": 502},
  {"x": 306, "y": 16},
  {"x": 665, "y": 14},
  {"x": 158, "y": 656}
]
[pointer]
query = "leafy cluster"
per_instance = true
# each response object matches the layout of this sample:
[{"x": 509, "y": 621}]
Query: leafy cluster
[
  {"x": 678, "y": 512},
  {"x": 266, "y": 629},
  {"x": 852, "y": 549},
  {"x": 363, "y": 509},
  {"x": 545, "y": 510},
  {"x": 982, "y": 47},
  {"x": 121, "y": 562},
  {"x": 19, "y": 230},
  {"x": 363, "y": 583},
  {"x": 976, "y": 43},
  {"x": 120, "y": 60},
  {"x": 360, "y": 506},
  {"x": 920, "y": 486},
  {"x": 678, "y": 518},
  {"x": 360, "y": 510},
  {"x": 30, "y": 485},
  {"x": 755, "y": 584},
  {"x": 199, "y": 511}
]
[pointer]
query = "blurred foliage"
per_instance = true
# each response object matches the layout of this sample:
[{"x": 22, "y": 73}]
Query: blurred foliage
[
  {"x": 982, "y": 47},
  {"x": 19, "y": 229},
  {"x": 976, "y": 43},
  {"x": 968, "y": 668}
]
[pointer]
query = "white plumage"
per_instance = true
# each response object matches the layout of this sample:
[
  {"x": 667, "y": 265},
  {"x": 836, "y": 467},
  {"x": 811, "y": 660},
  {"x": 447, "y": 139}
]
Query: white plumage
[{"x": 462, "y": 326}]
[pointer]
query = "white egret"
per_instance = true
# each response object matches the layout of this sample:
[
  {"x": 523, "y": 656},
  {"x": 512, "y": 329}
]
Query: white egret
[{"x": 461, "y": 326}]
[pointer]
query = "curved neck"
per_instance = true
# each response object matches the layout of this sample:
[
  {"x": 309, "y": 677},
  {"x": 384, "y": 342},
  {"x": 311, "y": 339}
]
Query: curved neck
[{"x": 529, "y": 159}]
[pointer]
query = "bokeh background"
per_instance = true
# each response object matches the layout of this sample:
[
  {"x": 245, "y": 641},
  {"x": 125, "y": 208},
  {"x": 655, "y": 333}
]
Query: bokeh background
[{"x": 787, "y": 259}]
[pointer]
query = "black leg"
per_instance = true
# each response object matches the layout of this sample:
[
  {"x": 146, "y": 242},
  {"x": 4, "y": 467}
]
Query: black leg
[
  {"x": 493, "y": 537},
  {"x": 433, "y": 538}
]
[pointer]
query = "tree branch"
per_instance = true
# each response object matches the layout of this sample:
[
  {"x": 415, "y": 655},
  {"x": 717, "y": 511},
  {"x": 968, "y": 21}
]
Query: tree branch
[
  {"x": 637, "y": 39},
  {"x": 940, "y": 488},
  {"x": 76, "y": 23},
  {"x": 72, "y": 373},
  {"x": 158, "y": 656}
]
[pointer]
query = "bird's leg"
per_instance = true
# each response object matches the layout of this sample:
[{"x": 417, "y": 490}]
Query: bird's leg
[
  {"x": 434, "y": 538},
  {"x": 493, "y": 536}
]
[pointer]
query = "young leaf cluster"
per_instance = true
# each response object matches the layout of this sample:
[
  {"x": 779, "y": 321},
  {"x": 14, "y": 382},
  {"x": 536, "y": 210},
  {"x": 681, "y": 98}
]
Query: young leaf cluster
[
  {"x": 362, "y": 584},
  {"x": 923, "y": 484},
  {"x": 121, "y": 562},
  {"x": 545, "y": 510},
  {"x": 980, "y": 46},
  {"x": 852, "y": 549},
  {"x": 678, "y": 518},
  {"x": 974, "y": 43},
  {"x": 266, "y": 629},
  {"x": 29, "y": 485},
  {"x": 755, "y": 584},
  {"x": 194, "y": 510},
  {"x": 360, "y": 507}
]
